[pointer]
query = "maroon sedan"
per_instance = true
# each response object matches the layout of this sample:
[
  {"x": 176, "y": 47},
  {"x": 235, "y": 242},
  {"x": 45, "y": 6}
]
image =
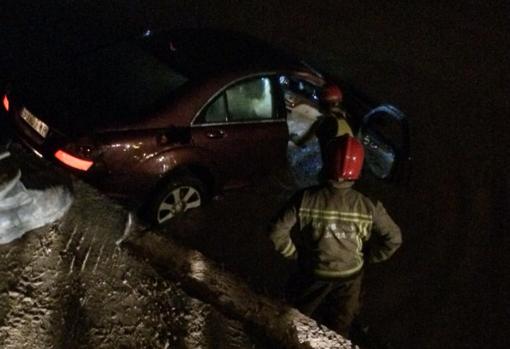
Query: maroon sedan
[{"x": 170, "y": 119}]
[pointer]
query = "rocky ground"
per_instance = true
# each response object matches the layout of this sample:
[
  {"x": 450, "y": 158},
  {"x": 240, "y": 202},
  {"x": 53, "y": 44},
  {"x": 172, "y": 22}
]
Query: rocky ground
[{"x": 71, "y": 285}]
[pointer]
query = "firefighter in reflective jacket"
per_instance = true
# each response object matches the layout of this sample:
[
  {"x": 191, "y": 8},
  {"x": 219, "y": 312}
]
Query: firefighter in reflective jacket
[
  {"x": 325, "y": 229},
  {"x": 332, "y": 123}
]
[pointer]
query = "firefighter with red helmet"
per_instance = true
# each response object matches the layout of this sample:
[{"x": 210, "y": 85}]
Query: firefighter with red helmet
[
  {"x": 333, "y": 121},
  {"x": 330, "y": 225}
]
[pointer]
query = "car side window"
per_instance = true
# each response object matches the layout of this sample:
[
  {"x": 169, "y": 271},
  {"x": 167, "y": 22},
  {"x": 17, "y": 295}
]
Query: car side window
[
  {"x": 216, "y": 111},
  {"x": 250, "y": 100}
]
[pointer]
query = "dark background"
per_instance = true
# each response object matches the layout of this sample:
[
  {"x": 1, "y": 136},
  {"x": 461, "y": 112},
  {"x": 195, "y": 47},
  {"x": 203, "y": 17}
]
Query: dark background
[{"x": 445, "y": 65}]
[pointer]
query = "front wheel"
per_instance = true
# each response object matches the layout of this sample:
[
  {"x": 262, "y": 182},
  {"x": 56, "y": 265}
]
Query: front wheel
[{"x": 176, "y": 197}]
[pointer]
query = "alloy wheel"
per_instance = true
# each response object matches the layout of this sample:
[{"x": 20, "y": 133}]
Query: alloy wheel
[{"x": 178, "y": 201}]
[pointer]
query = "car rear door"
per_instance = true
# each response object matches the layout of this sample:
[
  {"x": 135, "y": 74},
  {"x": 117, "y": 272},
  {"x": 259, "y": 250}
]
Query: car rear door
[{"x": 243, "y": 129}]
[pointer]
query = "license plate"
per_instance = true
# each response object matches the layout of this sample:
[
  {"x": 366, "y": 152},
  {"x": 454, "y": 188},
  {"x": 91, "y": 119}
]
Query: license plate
[{"x": 39, "y": 126}]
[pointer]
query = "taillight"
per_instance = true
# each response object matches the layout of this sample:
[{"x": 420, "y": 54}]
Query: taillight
[
  {"x": 6, "y": 103},
  {"x": 73, "y": 161}
]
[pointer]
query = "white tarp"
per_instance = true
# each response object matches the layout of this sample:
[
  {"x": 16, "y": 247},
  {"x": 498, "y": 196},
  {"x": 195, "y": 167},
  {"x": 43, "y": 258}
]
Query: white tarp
[{"x": 22, "y": 210}]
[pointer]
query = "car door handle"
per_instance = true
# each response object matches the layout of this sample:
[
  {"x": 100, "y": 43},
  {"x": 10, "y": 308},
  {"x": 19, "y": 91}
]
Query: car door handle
[{"x": 215, "y": 134}]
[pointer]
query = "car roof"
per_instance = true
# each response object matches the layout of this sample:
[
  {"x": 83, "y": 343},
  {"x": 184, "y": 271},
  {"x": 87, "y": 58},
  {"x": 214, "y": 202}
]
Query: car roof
[
  {"x": 97, "y": 86},
  {"x": 199, "y": 52}
]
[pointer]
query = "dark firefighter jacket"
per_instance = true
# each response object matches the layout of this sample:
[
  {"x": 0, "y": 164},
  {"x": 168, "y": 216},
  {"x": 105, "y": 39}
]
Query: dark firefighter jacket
[{"x": 325, "y": 228}]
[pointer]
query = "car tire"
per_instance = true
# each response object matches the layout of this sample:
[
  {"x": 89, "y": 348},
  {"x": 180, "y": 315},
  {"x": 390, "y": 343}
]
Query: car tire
[{"x": 177, "y": 196}]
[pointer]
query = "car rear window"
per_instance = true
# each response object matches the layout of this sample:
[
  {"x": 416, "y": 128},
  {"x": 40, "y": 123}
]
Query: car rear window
[{"x": 125, "y": 79}]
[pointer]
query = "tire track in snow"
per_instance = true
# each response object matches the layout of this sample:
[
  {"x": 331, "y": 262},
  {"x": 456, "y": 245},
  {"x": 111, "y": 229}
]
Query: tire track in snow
[{"x": 30, "y": 319}]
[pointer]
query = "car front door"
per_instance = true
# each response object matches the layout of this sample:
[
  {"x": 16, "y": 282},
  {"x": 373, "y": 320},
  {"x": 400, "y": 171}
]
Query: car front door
[
  {"x": 384, "y": 132},
  {"x": 244, "y": 131}
]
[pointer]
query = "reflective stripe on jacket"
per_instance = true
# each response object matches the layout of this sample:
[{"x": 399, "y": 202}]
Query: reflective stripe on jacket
[{"x": 332, "y": 223}]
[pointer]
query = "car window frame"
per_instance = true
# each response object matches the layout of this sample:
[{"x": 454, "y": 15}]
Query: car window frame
[{"x": 278, "y": 114}]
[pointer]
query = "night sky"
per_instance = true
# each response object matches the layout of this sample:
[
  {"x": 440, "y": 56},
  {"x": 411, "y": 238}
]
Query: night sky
[{"x": 445, "y": 65}]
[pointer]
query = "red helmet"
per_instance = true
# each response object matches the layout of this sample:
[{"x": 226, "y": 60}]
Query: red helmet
[
  {"x": 331, "y": 94},
  {"x": 344, "y": 158}
]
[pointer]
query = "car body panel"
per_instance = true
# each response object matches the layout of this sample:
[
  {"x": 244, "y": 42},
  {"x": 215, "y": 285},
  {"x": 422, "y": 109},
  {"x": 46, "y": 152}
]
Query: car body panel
[
  {"x": 134, "y": 153},
  {"x": 244, "y": 162}
]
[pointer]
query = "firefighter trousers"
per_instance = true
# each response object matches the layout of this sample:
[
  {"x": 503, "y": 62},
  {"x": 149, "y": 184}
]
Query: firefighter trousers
[{"x": 334, "y": 303}]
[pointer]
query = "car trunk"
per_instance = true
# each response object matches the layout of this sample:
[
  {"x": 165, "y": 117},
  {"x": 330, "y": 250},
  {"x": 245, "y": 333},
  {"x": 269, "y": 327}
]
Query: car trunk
[{"x": 108, "y": 88}]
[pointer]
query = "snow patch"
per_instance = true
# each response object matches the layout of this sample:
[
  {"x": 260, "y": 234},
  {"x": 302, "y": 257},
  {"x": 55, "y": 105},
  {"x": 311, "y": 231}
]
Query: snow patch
[{"x": 22, "y": 210}]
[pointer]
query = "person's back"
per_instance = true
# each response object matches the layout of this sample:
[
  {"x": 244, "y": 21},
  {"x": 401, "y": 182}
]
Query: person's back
[{"x": 332, "y": 222}]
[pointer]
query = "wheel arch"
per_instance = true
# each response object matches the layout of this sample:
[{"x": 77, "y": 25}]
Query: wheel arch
[{"x": 198, "y": 171}]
